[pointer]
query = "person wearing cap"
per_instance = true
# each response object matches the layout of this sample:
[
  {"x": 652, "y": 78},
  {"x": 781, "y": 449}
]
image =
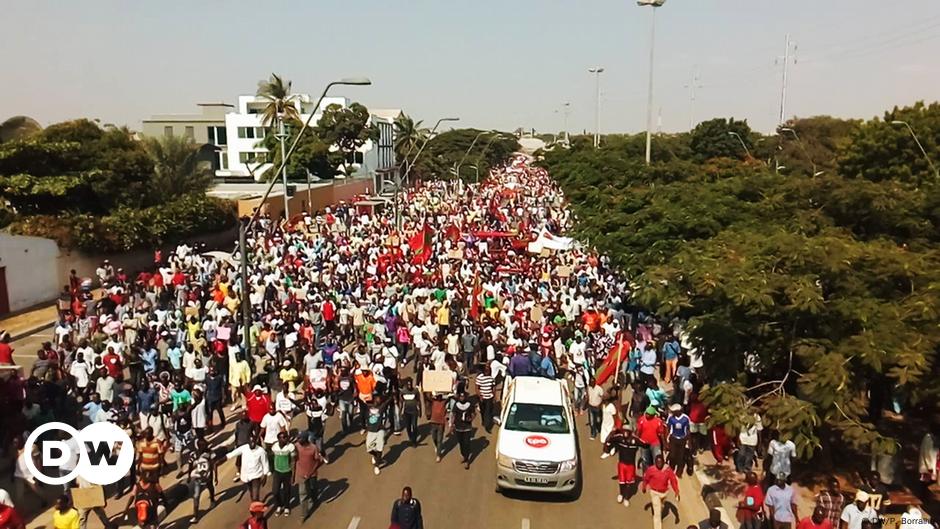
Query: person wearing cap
[
  {"x": 651, "y": 432},
  {"x": 780, "y": 501},
  {"x": 288, "y": 375},
  {"x": 257, "y": 404},
  {"x": 659, "y": 478},
  {"x": 256, "y": 519},
  {"x": 678, "y": 426},
  {"x": 626, "y": 445},
  {"x": 857, "y": 512}
]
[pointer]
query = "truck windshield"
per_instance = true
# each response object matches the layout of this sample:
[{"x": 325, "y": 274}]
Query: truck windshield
[{"x": 542, "y": 418}]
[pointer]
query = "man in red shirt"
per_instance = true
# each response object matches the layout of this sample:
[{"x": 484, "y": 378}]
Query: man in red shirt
[
  {"x": 652, "y": 432},
  {"x": 818, "y": 520},
  {"x": 659, "y": 479},
  {"x": 6, "y": 352},
  {"x": 257, "y": 404},
  {"x": 112, "y": 362}
]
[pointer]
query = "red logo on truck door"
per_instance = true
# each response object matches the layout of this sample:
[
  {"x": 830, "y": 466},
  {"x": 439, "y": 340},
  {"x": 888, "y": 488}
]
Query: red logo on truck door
[{"x": 536, "y": 441}]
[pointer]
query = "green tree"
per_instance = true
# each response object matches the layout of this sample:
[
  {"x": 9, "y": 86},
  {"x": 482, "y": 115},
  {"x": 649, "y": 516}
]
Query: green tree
[
  {"x": 821, "y": 139},
  {"x": 409, "y": 135},
  {"x": 177, "y": 168},
  {"x": 880, "y": 150},
  {"x": 446, "y": 149},
  {"x": 814, "y": 300},
  {"x": 77, "y": 166},
  {"x": 346, "y": 128},
  {"x": 716, "y": 138},
  {"x": 18, "y": 128},
  {"x": 312, "y": 155}
]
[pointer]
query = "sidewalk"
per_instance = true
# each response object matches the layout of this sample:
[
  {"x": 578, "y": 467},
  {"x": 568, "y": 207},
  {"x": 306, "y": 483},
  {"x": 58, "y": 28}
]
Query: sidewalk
[
  {"x": 30, "y": 320},
  {"x": 722, "y": 487}
]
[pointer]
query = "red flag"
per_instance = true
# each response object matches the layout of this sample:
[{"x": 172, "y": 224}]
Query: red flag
[
  {"x": 619, "y": 354},
  {"x": 420, "y": 244},
  {"x": 416, "y": 242},
  {"x": 452, "y": 232},
  {"x": 475, "y": 296}
]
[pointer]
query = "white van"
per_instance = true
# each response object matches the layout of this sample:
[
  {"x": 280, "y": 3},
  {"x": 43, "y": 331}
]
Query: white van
[{"x": 536, "y": 448}]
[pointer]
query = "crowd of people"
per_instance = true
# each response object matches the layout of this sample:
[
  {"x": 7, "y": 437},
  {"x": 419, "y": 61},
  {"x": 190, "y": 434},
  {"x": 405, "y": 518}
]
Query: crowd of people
[{"x": 348, "y": 314}]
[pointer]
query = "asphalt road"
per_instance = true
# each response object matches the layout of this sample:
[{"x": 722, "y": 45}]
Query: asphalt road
[
  {"x": 354, "y": 498},
  {"x": 452, "y": 497}
]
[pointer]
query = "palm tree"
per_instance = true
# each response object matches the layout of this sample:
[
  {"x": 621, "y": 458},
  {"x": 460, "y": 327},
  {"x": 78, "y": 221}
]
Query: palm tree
[
  {"x": 177, "y": 167},
  {"x": 409, "y": 135},
  {"x": 280, "y": 105},
  {"x": 280, "y": 108}
]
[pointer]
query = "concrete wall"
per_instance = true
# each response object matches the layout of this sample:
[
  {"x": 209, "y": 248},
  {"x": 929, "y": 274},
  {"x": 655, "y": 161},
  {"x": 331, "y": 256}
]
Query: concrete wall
[
  {"x": 322, "y": 196},
  {"x": 30, "y": 268},
  {"x": 131, "y": 262}
]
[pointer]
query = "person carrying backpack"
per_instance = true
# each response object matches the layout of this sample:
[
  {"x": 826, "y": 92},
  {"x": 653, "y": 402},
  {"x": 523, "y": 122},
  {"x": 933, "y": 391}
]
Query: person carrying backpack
[
  {"x": 146, "y": 497},
  {"x": 406, "y": 512}
]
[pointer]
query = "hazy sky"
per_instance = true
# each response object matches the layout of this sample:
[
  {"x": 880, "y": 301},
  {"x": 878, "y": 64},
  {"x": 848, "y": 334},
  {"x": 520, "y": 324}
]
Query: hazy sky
[{"x": 494, "y": 63}]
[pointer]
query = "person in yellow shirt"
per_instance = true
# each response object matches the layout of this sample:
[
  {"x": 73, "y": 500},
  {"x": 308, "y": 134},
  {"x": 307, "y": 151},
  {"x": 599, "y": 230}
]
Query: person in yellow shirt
[
  {"x": 65, "y": 516},
  {"x": 443, "y": 318}
]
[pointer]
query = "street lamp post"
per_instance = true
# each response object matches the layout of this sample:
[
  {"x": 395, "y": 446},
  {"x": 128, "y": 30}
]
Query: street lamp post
[
  {"x": 936, "y": 173},
  {"x": 649, "y": 97},
  {"x": 476, "y": 169},
  {"x": 597, "y": 71},
  {"x": 245, "y": 225},
  {"x": 282, "y": 138},
  {"x": 474, "y": 142},
  {"x": 738, "y": 136},
  {"x": 803, "y": 148},
  {"x": 566, "y": 109}
]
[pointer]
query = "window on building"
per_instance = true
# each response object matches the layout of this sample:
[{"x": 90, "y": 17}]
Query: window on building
[
  {"x": 251, "y": 132},
  {"x": 217, "y": 136},
  {"x": 168, "y": 131},
  {"x": 222, "y": 159},
  {"x": 252, "y": 157},
  {"x": 190, "y": 132}
]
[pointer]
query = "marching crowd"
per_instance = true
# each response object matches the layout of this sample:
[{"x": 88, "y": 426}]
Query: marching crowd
[{"x": 349, "y": 314}]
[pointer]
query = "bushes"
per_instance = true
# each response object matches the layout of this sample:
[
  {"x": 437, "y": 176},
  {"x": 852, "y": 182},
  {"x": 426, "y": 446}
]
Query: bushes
[{"x": 127, "y": 228}]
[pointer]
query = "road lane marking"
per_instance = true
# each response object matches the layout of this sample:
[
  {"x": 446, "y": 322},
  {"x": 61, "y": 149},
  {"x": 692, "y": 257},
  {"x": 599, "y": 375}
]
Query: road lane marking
[
  {"x": 354, "y": 523},
  {"x": 525, "y": 523}
]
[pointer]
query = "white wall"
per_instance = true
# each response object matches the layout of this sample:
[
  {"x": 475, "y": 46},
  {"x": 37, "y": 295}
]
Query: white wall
[
  {"x": 31, "y": 270},
  {"x": 241, "y": 118}
]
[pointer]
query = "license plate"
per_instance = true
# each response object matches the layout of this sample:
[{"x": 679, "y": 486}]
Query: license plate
[{"x": 540, "y": 481}]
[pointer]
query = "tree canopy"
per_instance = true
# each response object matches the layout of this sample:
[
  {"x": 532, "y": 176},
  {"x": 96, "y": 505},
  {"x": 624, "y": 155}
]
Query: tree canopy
[
  {"x": 446, "y": 149},
  {"x": 75, "y": 179},
  {"x": 814, "y": 299}
]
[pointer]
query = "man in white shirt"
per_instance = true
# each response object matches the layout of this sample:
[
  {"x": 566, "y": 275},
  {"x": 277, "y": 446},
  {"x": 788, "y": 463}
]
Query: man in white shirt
[
  {"x": 254, "y": 466},
  {"x": 855, "y": 513},
  {"x": 272, "y": 424}
]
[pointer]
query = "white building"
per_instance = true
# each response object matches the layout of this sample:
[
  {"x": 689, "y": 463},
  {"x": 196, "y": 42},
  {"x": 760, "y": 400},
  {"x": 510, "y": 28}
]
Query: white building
[{"x": 246, "y": 157}]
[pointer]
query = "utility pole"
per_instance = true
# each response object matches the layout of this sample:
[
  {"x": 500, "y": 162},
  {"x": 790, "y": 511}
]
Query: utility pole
[
  {"x": 693, "y": 84},
  {"x": 783, "y": 88},
  {"x": 597, "y": 71}
]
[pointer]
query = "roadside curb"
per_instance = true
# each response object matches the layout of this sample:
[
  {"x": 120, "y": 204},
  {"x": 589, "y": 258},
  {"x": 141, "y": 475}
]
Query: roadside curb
[
  {"x": 712, "y": 499},
  {"x": 23, "y": 334}
]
